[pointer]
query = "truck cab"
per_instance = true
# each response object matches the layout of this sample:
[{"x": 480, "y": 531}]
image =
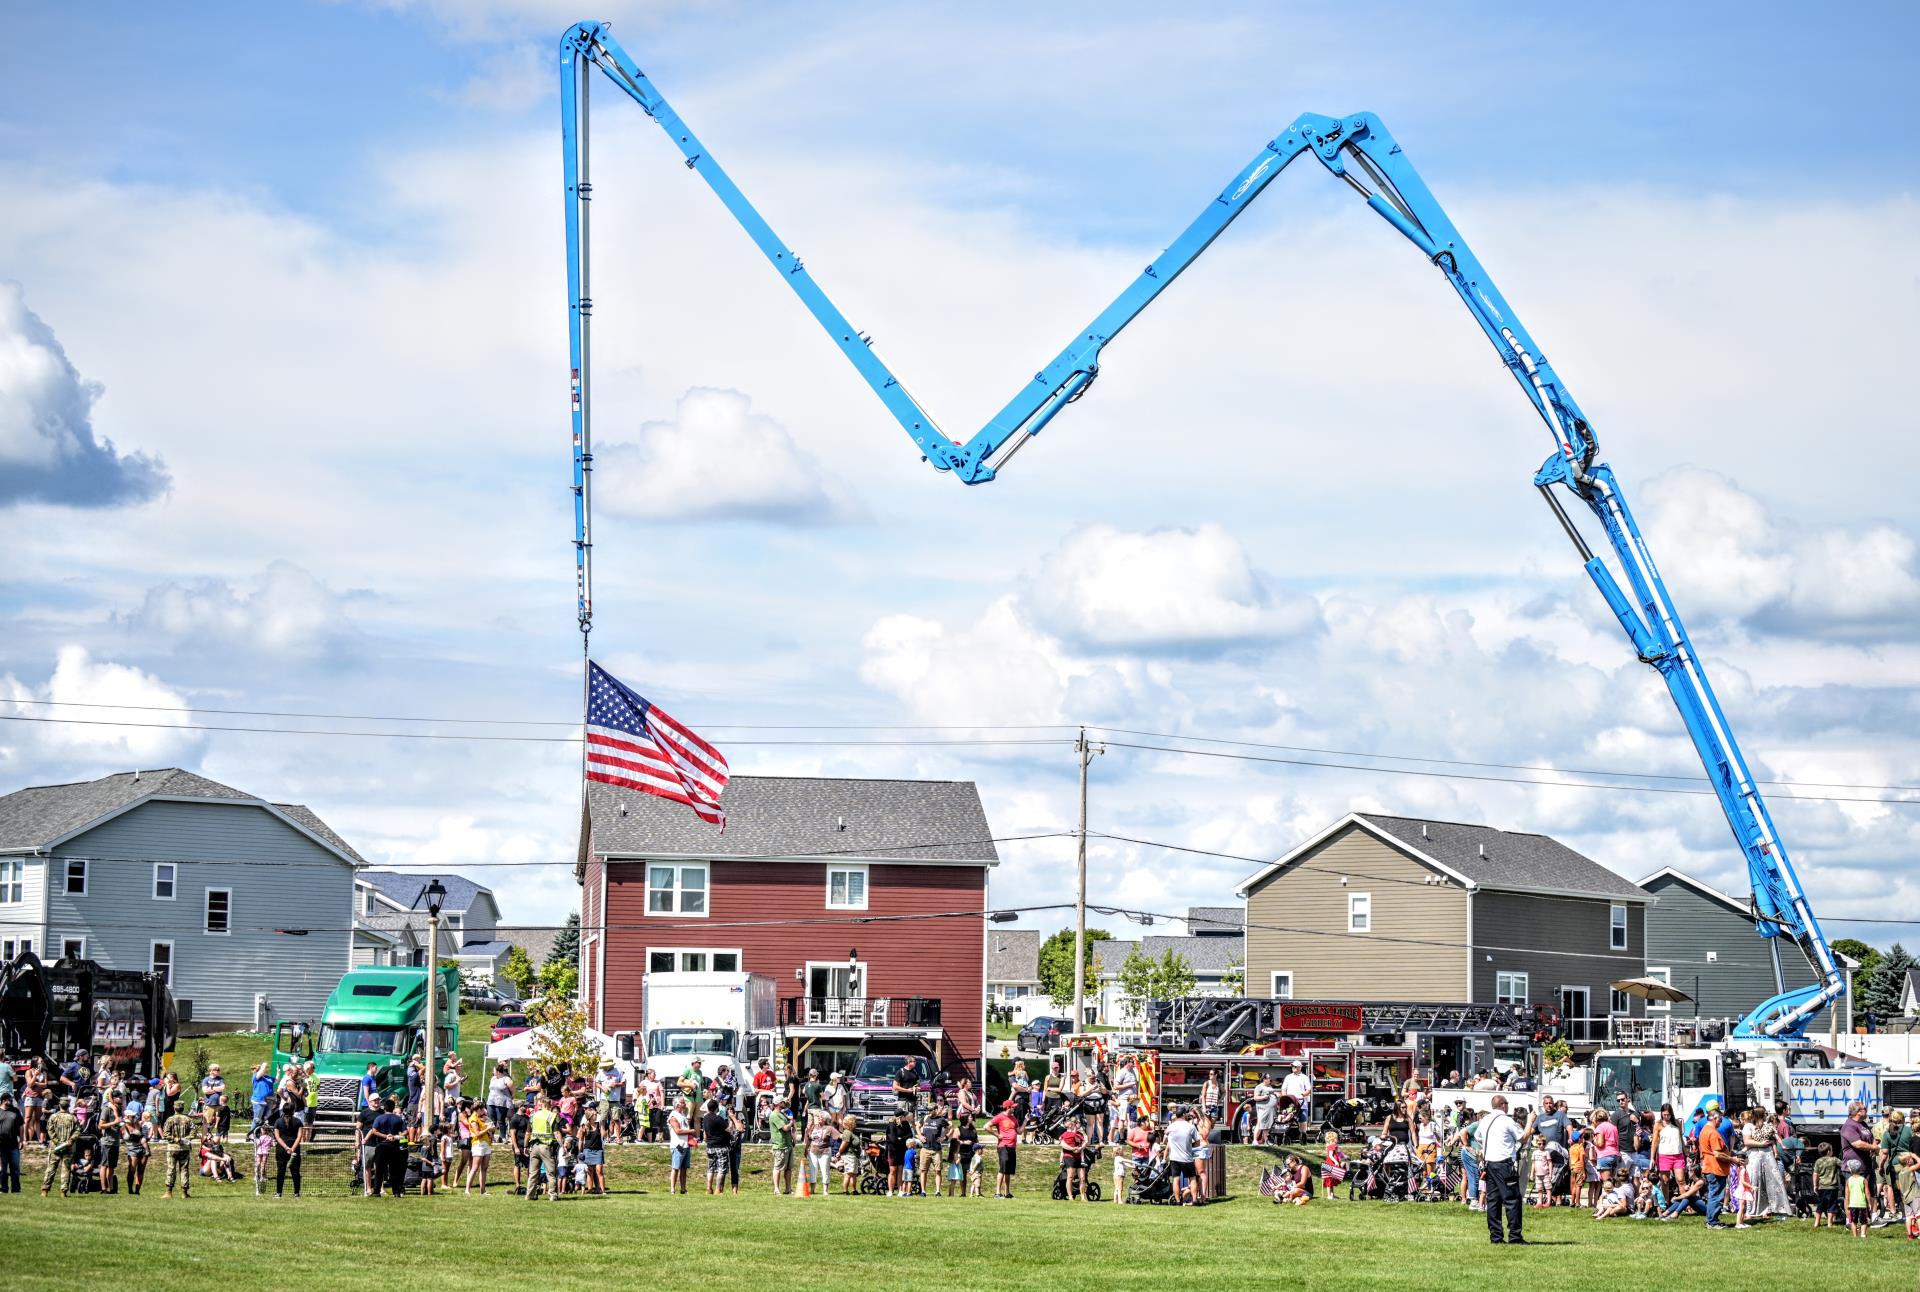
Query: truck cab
[
  {"x": 717, "y": 1018},
  {"x": 1816, "y": 1085},
  {"x": 377, "y": 1016}
]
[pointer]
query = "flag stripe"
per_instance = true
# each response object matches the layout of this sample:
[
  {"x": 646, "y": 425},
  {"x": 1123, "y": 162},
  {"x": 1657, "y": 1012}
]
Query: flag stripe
[{"x": 631, "y": 743}]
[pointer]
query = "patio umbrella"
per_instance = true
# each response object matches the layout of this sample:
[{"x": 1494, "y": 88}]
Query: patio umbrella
[{"x": 1650, "y": 989}]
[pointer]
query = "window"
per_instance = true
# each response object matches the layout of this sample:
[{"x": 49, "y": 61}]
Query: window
[
  {"x": 1359, "y": 912},
  {"x": 164, "y": 875},
  {"x": 1282, "y": 984},
  {"x": 160, "y": 962},
  {"x": 13, "y": 881},
  {"x": 220, "y": 910},
  {"x": 1660, "y": 973},
  {"x": 847, "y": 888},
  {"x": 73, "y": 948},
  {"x": 1510, "y": 988},
  {"x": 368, "y": 907},
  {"x": 1617, "y": 928},
  {"x": 77, "y": 878},
  {"x": 693, "y": 960},
  {"x": 677, "y": 890},
  {"x": 1618, "y": 1002},
  {"x": 11, "y": 947}
]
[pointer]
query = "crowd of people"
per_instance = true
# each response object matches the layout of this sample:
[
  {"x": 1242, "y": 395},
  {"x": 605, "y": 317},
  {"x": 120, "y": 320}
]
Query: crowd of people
[{"x": 101, "y": 1127}]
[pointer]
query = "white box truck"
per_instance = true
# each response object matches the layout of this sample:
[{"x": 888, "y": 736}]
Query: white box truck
[{"x": 714, "y": 1017}]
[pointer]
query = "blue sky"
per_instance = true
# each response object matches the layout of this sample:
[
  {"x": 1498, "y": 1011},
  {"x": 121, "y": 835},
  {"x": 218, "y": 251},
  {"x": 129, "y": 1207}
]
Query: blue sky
[{"x": 311, "y": 268}]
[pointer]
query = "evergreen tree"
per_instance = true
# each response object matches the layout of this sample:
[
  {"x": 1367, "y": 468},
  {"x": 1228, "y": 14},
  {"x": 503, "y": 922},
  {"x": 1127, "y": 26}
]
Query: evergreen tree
[
  {"x": 566, "y": 947},
  {"x": 1888, "y": 984}
]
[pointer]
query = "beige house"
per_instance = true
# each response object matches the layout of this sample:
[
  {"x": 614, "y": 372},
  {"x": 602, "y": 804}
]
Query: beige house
[{"x": 1379, "y": 907}]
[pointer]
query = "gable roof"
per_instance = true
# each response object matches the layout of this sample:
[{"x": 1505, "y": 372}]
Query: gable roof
[
  {"x": 40, "y": 816},
  {"x": 1913, "y": 985},
  {"x": 801, "y": 817},
  {"x": 1110, "y": 953},
  {"x": 536, "y": 942},
  {"x": 1216, "y": 921},
  {"x": 1479, "y": 856},
  {"x": 1667, "y": 875},
  {"x": 1013, "y": 955},
  {"x": 407, "y": 889},
  {"x": 1203, "y": 955}
]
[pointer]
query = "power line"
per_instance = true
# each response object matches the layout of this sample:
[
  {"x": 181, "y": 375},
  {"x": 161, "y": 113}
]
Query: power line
[
  {"x": 1495, "y": 780},
  {"x": 1513, "y": 767}
]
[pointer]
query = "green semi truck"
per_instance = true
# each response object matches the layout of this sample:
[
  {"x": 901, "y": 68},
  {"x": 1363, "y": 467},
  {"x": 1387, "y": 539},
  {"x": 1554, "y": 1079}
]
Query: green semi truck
[{"x": 375, "y": 1016}]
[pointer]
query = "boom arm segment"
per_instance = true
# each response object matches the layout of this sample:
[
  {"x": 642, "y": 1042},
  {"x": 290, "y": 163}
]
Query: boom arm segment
[{"x": 1359, "y": 151}]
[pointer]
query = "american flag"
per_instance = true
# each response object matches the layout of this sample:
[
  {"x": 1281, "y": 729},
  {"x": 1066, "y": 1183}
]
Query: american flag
[{"x": 632, "y": 743}]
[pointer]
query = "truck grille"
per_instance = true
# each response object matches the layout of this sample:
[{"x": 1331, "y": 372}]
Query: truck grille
[
  {"x": 340, "y": 1092},
  {"x": 1901, "y": 1092}
]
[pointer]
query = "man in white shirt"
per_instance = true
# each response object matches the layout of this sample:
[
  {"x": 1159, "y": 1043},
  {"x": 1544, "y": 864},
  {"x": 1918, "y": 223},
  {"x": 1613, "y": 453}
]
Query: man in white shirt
[
  {"x": 1500, "y": 1169},
  {"x": 1181, "y": 1138},
  {"x": 1126, "y": 1089},
  {"x": 1298, "y": 1086}
]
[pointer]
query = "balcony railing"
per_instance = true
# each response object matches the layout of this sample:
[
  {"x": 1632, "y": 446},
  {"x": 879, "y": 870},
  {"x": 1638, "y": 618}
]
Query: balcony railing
[{"x": 860, "y": 1011}]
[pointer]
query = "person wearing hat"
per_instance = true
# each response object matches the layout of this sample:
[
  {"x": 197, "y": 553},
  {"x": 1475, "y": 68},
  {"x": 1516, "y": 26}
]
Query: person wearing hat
[
  {"x": 1298, "y": 1086},
  {"x": 1006, "y": 1129},
  {"x": 1716, "y": 1157}
]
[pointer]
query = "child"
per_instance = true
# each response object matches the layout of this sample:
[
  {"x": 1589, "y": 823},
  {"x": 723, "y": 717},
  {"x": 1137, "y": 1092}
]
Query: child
[
  {"x": 1826, "y": 1187},
  {"x": 569, "y": 1157},
  {"x": 1542, "y": 1172},
  {"x": 262, "y": 1154},
  {"x": 1616, "y": 1199},
  {"x": 1648, "y": 1201},
  {"x": 1333, "y": 1164},
  {"x": 450, "y": 1149},
  {"x": 1859, "y": 1208},
  {"x": 1906, "y": 1187}
]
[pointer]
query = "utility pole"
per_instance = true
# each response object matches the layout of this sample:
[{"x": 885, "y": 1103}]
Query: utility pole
[
  {"x": 1085, "y": 753},
  {"x": 430, "y": 1080}
]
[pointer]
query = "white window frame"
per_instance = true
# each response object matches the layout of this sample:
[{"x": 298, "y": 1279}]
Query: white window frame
[
  {"x": 369, "y": 904},
  {"x": 866, "y": 886},
  {"x": 1665, "y": 974},
  {"x": 1513, "y": 977},
  {"x": 206, "y": 914},
  {"x": 739, "y": 958},
  {"x": 1617, "y": 928},
  {"x": 1619, "y": 1004},
  {"x": 678, "y": 893},
  {"x": 66, "y": 876},
  {"x": 1274, "y": 980},
  {"x": 172, "y": 880},
  {"x": 13, "y": 879},
  {"x": 11, "y": 947},
  {"x": 81, "y": 954},
  {"x": 154, "y": 946},
  {"x": 1365, "y": 924}
]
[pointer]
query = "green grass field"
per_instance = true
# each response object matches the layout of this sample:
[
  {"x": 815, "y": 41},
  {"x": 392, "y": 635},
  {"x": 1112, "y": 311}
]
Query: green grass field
[{"x": 225, "y": 1236}]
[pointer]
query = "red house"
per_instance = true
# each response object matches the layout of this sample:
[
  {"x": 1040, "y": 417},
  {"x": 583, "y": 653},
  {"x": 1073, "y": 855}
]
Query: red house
[{"x": 805, "y": 885}]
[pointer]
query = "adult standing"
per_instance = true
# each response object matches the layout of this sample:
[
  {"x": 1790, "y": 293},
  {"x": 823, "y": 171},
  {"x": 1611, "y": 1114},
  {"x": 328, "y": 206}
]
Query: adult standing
[
  {"x": 213, "y": 1094},
  {"x": 178, "y": 1133},
  {"x": 62, "y": 1129},
  {"x": 1767, "y": 1181},
  {"x": 1669, "y": 1147},
  {"x": 390, "y": 1154},
  {"x": 1006, "y": 1130},
  {"x": 542, "y": 1142},
  {"x": 1500, "y": 1170},
  {"x": 1265, "y": 1102},
  {"x": 1126, "y": 1089},
  {"x": 365, "y": 1147},
  {"x": 11, "y": 1125},
  {"x": 287, "y": 1130},
  {"x": 1857, "y": 1144},
  {"x": 1181, "y": 1139},
  {"x": 679, "y": 1145},
  {"x": 836, "y": 1098},
  {"x": 716, "y": 1132},
  {"x": 500, "y": 1097},
  {"x": 780, "y": 1140},
  {"x": 261, "y": 1092},
  {"x": 1716, "y": 1158},
  {"x": 1298, "y": 1086},
  {"x": 480, "y": 1137}
]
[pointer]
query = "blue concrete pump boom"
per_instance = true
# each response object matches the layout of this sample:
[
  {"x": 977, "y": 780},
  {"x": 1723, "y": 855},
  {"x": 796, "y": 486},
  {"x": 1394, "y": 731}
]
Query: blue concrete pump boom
[{"x": 1359, "y": 151}]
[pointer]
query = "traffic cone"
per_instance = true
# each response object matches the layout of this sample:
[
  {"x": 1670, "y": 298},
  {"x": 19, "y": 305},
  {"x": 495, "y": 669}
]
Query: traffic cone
[{"x": 806, "y": 1185}]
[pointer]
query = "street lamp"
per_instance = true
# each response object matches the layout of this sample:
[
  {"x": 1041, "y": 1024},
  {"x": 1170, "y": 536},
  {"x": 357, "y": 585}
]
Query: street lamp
[
  {"x": 853, "y": 973},
  {"x": 435, "y": 894}
]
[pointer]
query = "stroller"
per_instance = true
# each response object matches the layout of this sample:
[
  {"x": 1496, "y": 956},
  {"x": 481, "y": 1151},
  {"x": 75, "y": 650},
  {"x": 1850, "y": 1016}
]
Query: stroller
[
  {"x": 1053, "y": 1122},
  {"x": 873, "y": 1173},
  {"x": 1379, "y": 1174},
  {"x": 1152, "y": 1183},
  {"x": 1088, "y": 1157},
  {"x": 1801, "y": 1192}
]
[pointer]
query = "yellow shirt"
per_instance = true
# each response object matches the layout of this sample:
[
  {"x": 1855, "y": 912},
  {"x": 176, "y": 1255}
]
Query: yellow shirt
[{"x": 480, "y": 1128}]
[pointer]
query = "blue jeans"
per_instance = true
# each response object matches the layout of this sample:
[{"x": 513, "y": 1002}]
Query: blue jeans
[
  {"x": 682, "y": 1158},
  {"x": 9, "y": 1170},
  {"x": 1681, "y": 1206},
  {"x": 259, "y": 1113},
  {"x": 1716, "y": 1197},
  {"x": 1470, "y": 1163}
]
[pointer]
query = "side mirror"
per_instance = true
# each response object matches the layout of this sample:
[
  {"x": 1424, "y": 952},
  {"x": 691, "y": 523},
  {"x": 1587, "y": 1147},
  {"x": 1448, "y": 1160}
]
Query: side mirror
[
  {"x": 623, "y": 1047},
  {"x": 756, "y": 1047}
]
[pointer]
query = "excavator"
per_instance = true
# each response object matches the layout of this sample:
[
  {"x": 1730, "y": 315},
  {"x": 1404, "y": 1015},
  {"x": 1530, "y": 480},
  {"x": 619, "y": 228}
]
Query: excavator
[{"x": 1766, "y": 1056}]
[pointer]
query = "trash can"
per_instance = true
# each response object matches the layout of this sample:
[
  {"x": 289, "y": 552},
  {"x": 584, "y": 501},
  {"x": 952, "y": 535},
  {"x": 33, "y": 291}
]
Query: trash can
[{"x": 1216, "y": 1164}]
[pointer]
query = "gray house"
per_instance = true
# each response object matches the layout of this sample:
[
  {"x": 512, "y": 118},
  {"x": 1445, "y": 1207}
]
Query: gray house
[
  {"x": 1702, "y": 941},
  {"x": 392, "y": 905},
  {"x": 245, "y": 904},
  {"x": 1013, "y": 972},
  {"x": 1380, "y": 908}
]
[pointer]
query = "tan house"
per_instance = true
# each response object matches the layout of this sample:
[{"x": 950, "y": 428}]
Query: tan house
[{"x": 1380, "y": 907}]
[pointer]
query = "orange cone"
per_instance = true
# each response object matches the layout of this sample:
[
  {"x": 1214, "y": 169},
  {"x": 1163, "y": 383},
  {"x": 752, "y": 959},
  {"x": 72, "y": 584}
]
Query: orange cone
[{"x": 806, "y": 1185}]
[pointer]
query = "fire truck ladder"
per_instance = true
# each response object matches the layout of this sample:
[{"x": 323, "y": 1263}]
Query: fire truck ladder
[{"x": 1213, "y": 1025}]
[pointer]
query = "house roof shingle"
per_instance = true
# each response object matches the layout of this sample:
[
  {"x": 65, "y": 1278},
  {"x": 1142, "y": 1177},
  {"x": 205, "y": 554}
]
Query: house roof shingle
[
  {"x": 1209, "y": 956},
  {"x": 1110, "y": 953},
  {"x": 406, "y": 889},
  {"x": 1013, "y": 955},
  {"x": 1216, "y": 921},
  {"x": 1505, "y": 859},
  {"x": 536, "y": 942},
  {"x": 802, "y": 816},
  {"x": 39, "y": 814}
]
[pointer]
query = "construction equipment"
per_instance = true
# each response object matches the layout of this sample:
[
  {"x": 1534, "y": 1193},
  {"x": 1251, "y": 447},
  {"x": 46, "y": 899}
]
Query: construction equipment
[
  {"x": 122, "y": 1016},
  {"x": 1222, "y": 1024},
  {"x": 1360, "y": 152}
]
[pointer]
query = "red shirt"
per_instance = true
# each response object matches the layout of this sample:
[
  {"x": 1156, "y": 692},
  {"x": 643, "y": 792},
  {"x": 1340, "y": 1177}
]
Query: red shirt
[
  {"x": 1006, "y": 1130},
  {"x": 1140, "y": 1140},
  {"x": 763, "y": 1080},
  {"x": 1070, "y": 1145}
]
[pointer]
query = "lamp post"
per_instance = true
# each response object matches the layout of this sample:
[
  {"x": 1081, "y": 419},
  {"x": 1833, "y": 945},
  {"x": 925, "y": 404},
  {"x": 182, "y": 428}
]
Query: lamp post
[
  {"x": 853, "y": 973},
  {"x": 430, "y": 1081}
]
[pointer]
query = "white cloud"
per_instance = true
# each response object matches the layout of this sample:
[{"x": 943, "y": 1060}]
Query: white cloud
[
  {"x": 284, "y": 611},
  {"x": 716, "y": 459},
  {"x": 48, "y": 449},
  {"x": 88, "y": 744},
  {"x": 1167, "y": 589},
  {"x": 1727, "y": 554}
]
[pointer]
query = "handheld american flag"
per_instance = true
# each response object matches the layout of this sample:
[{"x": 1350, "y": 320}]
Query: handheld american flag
[{"x": 632, "y": 743}]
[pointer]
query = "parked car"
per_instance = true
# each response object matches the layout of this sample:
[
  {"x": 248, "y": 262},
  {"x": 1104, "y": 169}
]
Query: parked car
[
  {"x": 1042, "y": 1034},
  {"x": 509, "y": 1025},
  {"x": 488, "y": 1002}
]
